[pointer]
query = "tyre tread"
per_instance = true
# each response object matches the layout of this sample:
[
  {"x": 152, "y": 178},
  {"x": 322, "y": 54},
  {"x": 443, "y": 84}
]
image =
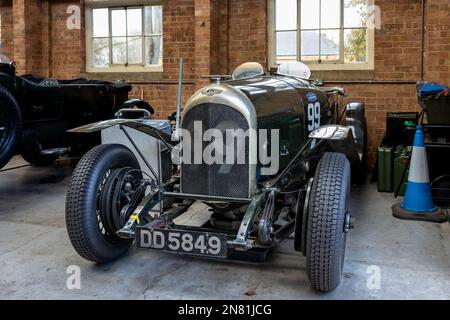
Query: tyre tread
[
  {"x": 77, "y": 207},
  {"x": 326, "y": 220}
]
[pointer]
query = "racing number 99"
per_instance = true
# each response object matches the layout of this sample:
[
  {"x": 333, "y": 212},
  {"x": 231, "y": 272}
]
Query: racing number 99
[{"x": 313, "y": 116}]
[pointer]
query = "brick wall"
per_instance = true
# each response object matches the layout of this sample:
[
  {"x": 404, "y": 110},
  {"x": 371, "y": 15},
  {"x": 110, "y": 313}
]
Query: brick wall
[
  {"x": 437, "y": 59},
  {"x": 215, "y": 36},
  {"x": 65, "y": 46},
  {"x": 27, "y": 35},
  {"x": 247, "y": 32},
  {"x": 397, "y": 43},
  {"x": 6, "y": 44},
  {"x": 179, "y": 33}
]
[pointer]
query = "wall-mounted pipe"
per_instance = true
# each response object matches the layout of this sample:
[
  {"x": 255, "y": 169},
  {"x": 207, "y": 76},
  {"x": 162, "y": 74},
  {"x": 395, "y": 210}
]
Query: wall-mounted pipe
[
  {"x": 370, "y": 81},
  {"x": 162, "y": 82}
]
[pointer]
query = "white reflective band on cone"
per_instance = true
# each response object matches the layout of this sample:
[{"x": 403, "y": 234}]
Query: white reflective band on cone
[{"x": 419, "y": 166}]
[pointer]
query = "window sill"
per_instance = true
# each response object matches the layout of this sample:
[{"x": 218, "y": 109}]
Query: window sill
[
  {"x": 343, "y": 75},
  {"x": 340, "y": 66},
  {"x": 126, "y": 76},
  {"x": 339, "y": 71},
  {"x": 123, "y": 69}
]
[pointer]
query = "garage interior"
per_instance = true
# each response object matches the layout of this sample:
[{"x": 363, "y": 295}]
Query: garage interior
[{"x": 386, "y": 258}]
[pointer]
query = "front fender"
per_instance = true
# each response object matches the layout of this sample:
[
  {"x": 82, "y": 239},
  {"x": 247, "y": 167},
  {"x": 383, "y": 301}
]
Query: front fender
[
  {"x": 340, "y": 139},
  {"x": 356, "y": 121},
  {"x": 141, "y": 125}
]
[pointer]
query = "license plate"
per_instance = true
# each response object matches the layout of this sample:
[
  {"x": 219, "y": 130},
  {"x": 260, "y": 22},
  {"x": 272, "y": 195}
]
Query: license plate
[{"x": 182, "y": 241}]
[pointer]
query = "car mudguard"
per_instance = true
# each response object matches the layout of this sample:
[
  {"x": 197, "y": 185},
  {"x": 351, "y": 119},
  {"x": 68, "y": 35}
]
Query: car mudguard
[
  {"x": 137, "y": 124},
  {"x": 340, "y": 139},
  {"x": 356, "y": 121}
]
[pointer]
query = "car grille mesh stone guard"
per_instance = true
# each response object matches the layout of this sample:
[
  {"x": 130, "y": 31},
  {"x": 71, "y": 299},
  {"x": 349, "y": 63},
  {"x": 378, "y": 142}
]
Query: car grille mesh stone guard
[{"x": 220, "y": 180}]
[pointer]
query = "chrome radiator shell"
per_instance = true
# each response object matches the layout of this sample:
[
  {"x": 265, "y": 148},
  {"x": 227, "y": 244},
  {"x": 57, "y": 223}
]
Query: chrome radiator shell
[{"x": 219, "y": 101}]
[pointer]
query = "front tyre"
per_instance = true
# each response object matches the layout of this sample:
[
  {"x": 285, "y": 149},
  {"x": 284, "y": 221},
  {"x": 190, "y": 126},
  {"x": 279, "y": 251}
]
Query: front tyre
[
  {"x": 91, "y": 221},
  {"x": 327, "y": 216}
]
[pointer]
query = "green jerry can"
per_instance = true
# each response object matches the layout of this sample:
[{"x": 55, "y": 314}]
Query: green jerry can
[
  {"x": 401, "y": 162},
  {"x": 385, "y": 155}
]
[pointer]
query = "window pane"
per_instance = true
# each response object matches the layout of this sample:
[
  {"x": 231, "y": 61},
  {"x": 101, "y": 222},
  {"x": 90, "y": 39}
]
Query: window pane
[
  {"x": 100, "y": 52},
  {"x": 310, "y": 45},
  {"x": 119, "y": 23},
  {"x": 135, "y": 50},
  {"x": 310, "y": 14},
  {"x": 153, "y": 20},
  {"x": 119, "y": 50},
  {"x": 329, "y": 45},
  {"x": 355, "y": 13},
  {"x": 330, "y": 14},
  {"x": 134, "y": 22},
  {"x": 286, "y": 14},
  {"x": 153, "y": 50},
  {"x": 287, "y": 44},
  {"x": 100, "y": 23},
  {"x": 355, "y": 46}
]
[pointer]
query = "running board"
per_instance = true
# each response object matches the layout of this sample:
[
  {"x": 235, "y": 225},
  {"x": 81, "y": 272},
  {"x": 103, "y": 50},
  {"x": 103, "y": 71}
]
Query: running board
[{"x": 54, "y": 152}]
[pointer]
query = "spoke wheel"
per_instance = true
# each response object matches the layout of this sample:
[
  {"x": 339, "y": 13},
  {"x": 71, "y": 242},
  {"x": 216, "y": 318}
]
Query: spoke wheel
[
  {"x": 114, "y": 195},
  {"x": 101, "y": 187}
]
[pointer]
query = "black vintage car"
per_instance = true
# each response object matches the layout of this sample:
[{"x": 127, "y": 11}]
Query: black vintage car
[
  {"x": 120, "y": 193},
  {"x": 36, "y": 112}
]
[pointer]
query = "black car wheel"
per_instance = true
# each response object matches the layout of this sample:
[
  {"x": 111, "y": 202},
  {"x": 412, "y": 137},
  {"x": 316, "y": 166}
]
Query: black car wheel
[
  {"x": 10, "y": 125},
  {"x": 95, "y": 198},
  {"x": 326, "y": 223}
]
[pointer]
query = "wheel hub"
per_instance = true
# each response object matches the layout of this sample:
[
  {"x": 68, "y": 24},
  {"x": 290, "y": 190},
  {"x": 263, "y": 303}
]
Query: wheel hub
[{"x": 115, "y": 196}]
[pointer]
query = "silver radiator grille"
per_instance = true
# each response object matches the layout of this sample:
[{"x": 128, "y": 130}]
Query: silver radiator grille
[{"x": 221, "y": 180}]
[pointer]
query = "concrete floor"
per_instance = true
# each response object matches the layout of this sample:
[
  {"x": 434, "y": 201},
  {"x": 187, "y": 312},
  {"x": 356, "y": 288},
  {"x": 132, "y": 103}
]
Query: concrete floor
[{"x": 413, "y": 258}]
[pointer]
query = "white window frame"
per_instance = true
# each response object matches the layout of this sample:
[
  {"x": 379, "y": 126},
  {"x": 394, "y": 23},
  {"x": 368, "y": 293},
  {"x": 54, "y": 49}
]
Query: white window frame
[
  {"x": 111, "y": 5},
  {"x": 315, "y": 66}
]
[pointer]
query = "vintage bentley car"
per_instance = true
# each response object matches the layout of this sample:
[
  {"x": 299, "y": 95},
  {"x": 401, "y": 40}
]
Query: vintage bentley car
[
  {"x": 137, "y": 185},
  {"x": 36, "y": 112}
]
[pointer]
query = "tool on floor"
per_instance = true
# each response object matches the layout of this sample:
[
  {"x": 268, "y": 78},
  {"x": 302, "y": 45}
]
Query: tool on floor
[{"x": 418, "y": 202}]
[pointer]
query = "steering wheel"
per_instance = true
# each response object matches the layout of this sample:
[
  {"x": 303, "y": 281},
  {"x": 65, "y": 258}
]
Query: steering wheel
[{"x": 49, "y": 82}]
